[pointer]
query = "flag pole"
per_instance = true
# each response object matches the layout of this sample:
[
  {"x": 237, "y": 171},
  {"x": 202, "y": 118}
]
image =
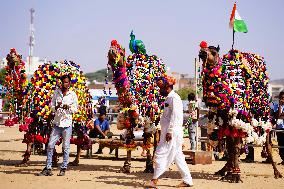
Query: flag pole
[
  {"x": 232, "y": 22},
  {"x": 233, "y": 39}
]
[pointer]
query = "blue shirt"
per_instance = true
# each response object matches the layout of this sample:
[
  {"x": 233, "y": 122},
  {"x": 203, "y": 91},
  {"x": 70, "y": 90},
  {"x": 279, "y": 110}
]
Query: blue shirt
[
  {"x": 279, "y": 122},
  {"x": 104, "y": 125}
]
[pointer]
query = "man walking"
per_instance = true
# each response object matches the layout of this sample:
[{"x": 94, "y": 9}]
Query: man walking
[
  {"x": 64, "y": 103},
  {"x": 170, "y": 146}
]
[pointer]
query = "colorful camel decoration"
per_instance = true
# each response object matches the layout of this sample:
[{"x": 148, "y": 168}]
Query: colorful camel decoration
[
  {"x": 235, "y": 88},
  {"x": 38, "y": 126},
  {"x": 16, "y": 83},
  {"x": 138, "y": 95}
]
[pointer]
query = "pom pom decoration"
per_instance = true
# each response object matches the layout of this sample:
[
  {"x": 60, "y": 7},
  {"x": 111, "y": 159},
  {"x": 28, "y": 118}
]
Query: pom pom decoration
[
  {"x": 238, "y": 84},
  {"x": 136, "y": 82},
  {"x": 203, "y": 44},
  {"x": 16, "y": 84},
  {"x": 45, "y": 81}
]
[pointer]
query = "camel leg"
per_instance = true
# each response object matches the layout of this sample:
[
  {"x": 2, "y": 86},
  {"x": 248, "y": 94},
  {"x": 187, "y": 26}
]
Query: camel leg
[
  {"x": 77, "y": 158},
  {"x": 156, "y": 139},
  {"x": 26, "y": 156},
  {"x": 228, "y": 165},
  {"x": 149, "y": 163},
  {"x": 268, "y": 146},
  {"x": 236, "y": 175},
  {"x": 79, "y": 150},
  {"x": 127, "y": 165},
  {"x": 232, "y": 165}
]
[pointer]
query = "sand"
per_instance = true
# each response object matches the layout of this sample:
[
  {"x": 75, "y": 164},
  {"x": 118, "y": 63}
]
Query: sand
[{"x": 101, "y": 171}]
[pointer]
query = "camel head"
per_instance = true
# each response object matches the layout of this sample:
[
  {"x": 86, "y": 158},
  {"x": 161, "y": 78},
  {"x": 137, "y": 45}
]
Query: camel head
[
  {"x": 116, "y": 54},
  {"x": 13, "y": 59},
  {"x": 209, "y": 55},
  {"x": 212, "y": 74}
]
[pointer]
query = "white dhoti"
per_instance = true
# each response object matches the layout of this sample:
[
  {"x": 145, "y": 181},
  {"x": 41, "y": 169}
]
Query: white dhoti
[{"x": 169, "y": 152}]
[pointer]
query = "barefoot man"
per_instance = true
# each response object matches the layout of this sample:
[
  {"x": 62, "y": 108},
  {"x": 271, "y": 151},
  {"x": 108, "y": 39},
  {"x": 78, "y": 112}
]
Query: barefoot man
[{"x": 170, "y": 146}]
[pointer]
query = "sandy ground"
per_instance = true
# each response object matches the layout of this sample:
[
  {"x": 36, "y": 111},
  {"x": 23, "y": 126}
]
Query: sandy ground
[{"x": 101, "y": 172}]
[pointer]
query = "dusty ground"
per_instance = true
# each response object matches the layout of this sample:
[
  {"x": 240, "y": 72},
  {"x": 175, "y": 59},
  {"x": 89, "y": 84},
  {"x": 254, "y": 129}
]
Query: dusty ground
[{"x": 101, "y": 172}]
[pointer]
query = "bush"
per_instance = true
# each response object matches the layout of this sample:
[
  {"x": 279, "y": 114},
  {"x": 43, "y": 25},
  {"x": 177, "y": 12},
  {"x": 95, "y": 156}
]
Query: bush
[{"x": 184, "y": 92}]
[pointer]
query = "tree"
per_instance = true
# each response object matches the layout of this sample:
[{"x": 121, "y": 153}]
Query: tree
[
  {"x": 183, "y": 93},
  {"x": 99, "y": 75},
  {"x": 2, "y": 76}
]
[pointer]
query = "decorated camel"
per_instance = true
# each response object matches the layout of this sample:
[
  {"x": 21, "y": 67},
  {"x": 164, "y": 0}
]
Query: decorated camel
[
  {"x": 16, "y": 83},
  {"x": 235, "y": 88},
  {"x": 38, "y": 126},
  {"x": 138, "y": 94}
]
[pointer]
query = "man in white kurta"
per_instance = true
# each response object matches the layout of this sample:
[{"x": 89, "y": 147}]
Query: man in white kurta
[{"x": 169, "y": 149}]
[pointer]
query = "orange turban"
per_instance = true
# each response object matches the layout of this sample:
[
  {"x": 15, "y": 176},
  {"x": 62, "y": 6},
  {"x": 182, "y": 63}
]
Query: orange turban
[{"x": 165, "y": 81}]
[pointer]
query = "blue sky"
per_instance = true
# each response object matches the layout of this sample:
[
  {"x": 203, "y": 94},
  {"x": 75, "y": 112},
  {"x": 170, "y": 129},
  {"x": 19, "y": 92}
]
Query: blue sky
[{"x": 172, "y": 29}]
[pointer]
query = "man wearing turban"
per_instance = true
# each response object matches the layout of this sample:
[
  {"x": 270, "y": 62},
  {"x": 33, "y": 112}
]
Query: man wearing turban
[{"x": 169, "y": 149}]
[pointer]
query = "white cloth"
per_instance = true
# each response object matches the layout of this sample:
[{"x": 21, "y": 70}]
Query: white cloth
[
  {"x": 63, "y": 118},
  {"x": 138, "y": 135},
  {"x": 168, "y": 152},
  {"x": 172, "y": 117}
]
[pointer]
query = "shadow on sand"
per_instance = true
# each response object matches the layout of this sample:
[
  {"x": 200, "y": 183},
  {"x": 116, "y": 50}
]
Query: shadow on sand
[{"x": 121, "y": 179}]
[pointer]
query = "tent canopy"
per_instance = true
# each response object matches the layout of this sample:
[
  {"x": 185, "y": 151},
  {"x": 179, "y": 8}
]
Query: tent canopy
[
  {"x": 97, "y": 93},
  {"x": 3, "y": 90}
]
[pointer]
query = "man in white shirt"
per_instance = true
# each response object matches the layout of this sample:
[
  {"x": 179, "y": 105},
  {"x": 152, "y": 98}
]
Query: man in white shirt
[
  {"x": 64, "y": 103},
  {"x": 170, "y": 146}
]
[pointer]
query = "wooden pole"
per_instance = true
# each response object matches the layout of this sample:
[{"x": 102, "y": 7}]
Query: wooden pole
[{"x": 196, "y": 97}]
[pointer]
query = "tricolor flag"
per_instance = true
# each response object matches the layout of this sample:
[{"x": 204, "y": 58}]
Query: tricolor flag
[{"x": 236, "y": 22}]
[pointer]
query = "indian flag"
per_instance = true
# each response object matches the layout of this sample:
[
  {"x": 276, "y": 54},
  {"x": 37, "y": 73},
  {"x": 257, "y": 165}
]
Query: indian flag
[{"x": 236, "y": 22}]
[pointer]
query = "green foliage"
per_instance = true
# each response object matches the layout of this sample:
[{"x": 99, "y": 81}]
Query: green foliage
[
  {"x": 183, "y": 93},
  {"x": 2, "y": 76},
  {"x": 6, "y": 106},
  {"x": 99, "y": 75}
]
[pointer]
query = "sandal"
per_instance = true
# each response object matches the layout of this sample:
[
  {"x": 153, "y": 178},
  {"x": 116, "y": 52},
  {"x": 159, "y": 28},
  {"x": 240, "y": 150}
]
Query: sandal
[
  {"x": 74, "y": 163},
  {"x": 25, "y": 164},
  {"x": 150, "y": 184},
  {"x": 183, "y": 184}
]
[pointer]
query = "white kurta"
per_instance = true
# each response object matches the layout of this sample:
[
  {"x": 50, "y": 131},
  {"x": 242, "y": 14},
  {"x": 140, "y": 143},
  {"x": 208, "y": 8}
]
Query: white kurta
[{"x": 168, "y": 152}]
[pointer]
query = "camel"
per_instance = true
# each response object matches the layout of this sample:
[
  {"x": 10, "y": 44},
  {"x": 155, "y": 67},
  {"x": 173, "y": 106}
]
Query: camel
[
  {"x": 235, "y": 90},
  {"x": 17, "y": 86},
  {"x": 138, "y": 95},
  {"x": 38, "y": 126}
]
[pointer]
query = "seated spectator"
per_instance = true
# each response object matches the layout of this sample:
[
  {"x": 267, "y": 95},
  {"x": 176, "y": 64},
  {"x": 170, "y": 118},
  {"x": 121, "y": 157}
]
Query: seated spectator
[{"x": 101, "y": 128}]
